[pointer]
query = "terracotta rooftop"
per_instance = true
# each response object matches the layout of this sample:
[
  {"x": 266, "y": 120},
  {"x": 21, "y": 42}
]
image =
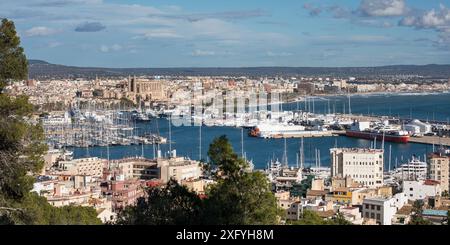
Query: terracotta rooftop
[
  {"x": 431, "y": 182},
  {"x": 326, "y": 214},
  {"x": 405, "y": 210}
]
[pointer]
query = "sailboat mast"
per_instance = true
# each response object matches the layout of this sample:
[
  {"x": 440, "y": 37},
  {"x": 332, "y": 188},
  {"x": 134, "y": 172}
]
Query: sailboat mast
[
  {"x": 170, "y": 133},
  {"x": 390, "y": 155},
  {"x": 285, "y": 160},
  {"x": 318, "y": 155},
  {"x": 349, "y": 104},
  {"x": 302, "y": 154},
  {"x": 242, "y": 141},
  {"x": 200, "y": 142}
]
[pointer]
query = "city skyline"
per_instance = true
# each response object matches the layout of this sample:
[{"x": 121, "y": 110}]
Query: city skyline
[{"x": 133, "y": 33}]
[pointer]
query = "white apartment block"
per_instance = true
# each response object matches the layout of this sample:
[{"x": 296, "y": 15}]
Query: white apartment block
[
  {"x": 178, "y": 168},
  {"x": 439, "y": 169},
  {"x": 365, "y": 166},
  {"x": 421, "y": 189},
  {"x": 91, "y": 166},
  {"x": 383, "y": 209}
]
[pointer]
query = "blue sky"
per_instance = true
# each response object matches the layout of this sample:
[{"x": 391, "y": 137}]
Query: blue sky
[{"x": 210, "y": 33}]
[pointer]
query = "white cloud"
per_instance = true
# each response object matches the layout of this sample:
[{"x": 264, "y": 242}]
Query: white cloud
[
  {"x": 39, "y": 31},
  {"x": 434, "y": 19},
  {"x": 368, "y": 38},
  {"x": 160, "y": 33},
  {"x": 104, "y": 48},
  {"x": 114, "y": 47},
  {"x": 383, "y": 7},
  {"x": 199, "y": 52},
  {"x": 278, "y": 54},
  {"x": 438, "y": 20}
]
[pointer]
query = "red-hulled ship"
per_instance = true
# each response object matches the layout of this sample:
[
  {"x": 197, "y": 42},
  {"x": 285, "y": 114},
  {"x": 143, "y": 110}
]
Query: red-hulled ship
[{"x": 364, "y": 131}]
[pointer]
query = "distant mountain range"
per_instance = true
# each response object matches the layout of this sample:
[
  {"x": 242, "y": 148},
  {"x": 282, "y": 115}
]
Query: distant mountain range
[{"x": 43, "y": 69}]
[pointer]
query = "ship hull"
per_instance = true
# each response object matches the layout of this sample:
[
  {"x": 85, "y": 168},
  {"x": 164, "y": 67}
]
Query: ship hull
[{"x": 378, "y": 136}]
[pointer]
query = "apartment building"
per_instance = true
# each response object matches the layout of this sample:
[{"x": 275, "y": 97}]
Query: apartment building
[
  {"x": 91, "y": 166},
  {"x": 365, "y": 166},
  {"x": 383, "y": 209},
  {"x": 439, "y": 169},
  {"x": 415, "y": 190}
]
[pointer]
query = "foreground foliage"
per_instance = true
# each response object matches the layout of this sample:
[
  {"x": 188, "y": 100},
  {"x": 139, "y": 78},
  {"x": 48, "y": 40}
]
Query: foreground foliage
[
  {"x": 238, "y": 197},
  {"x": 22, "y": 147}
]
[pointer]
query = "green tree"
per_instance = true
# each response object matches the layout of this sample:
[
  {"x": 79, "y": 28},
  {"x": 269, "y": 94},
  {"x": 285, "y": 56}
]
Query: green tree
[
  {"x": 339, "y": 219},
  {"x": 239, "y": 197},
  {"x": 309, "y": 217},
  {"x": 22, "y": 147},
  {"x": 224, "y": 160},
  {"x": 417, "y": 218},
  {"x": 13, "y": 63},
  {"x": 171, "y": 204}
]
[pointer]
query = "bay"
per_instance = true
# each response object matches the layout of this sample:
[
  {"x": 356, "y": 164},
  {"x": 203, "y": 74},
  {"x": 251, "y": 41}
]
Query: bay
[{"x": 185, "y": 139}]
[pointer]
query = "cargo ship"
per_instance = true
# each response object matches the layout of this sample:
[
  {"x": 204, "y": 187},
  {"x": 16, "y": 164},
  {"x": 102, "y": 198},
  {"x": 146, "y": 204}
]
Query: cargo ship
[{"x": 364, "y": 131}]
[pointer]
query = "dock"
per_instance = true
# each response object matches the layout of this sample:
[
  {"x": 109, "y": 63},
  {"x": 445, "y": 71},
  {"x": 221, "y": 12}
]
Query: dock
[
  {"x": 431, "y": 140},
  {"x": 308, "y": 134}
]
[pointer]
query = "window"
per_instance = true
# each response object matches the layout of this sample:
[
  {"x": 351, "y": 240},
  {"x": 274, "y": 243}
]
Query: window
[
  {"x": 411, "y": 189},
  {"x": 372, "y": 207},
  {"x": 372, "y": 215},
  {"x": 378, "y": 216},
  {"x": 367, "y": 205},
  {"x": 378, "y": 207},
  {"x": 367, "y": 214}
]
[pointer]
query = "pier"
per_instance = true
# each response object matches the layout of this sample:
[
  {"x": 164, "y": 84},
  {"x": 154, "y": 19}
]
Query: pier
[
  {"x": 431, "y": 140},
  {"x": 309, "y": 134}
]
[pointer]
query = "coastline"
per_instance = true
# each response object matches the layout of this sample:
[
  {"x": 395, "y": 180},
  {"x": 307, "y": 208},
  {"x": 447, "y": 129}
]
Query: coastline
[{"x": 368, "y": 94}]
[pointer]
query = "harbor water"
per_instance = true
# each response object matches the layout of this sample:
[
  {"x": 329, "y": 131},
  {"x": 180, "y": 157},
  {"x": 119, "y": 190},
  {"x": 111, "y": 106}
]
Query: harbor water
[{"x": 186, "y": 139}]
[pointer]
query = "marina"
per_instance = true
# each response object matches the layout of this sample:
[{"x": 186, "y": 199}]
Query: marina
[{"x": 186, "y": 138}]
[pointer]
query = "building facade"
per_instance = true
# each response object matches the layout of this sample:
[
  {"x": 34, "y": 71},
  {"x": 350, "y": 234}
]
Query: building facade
[
  {"x": 92, "y": 166},
  {"x": 146, "y": 89},
  {"x": 383, "y": 210},
  {"x": 365, "y": 166},
  {"x": 439, "y": 169},
  {"x": 415, "y": 190}
]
